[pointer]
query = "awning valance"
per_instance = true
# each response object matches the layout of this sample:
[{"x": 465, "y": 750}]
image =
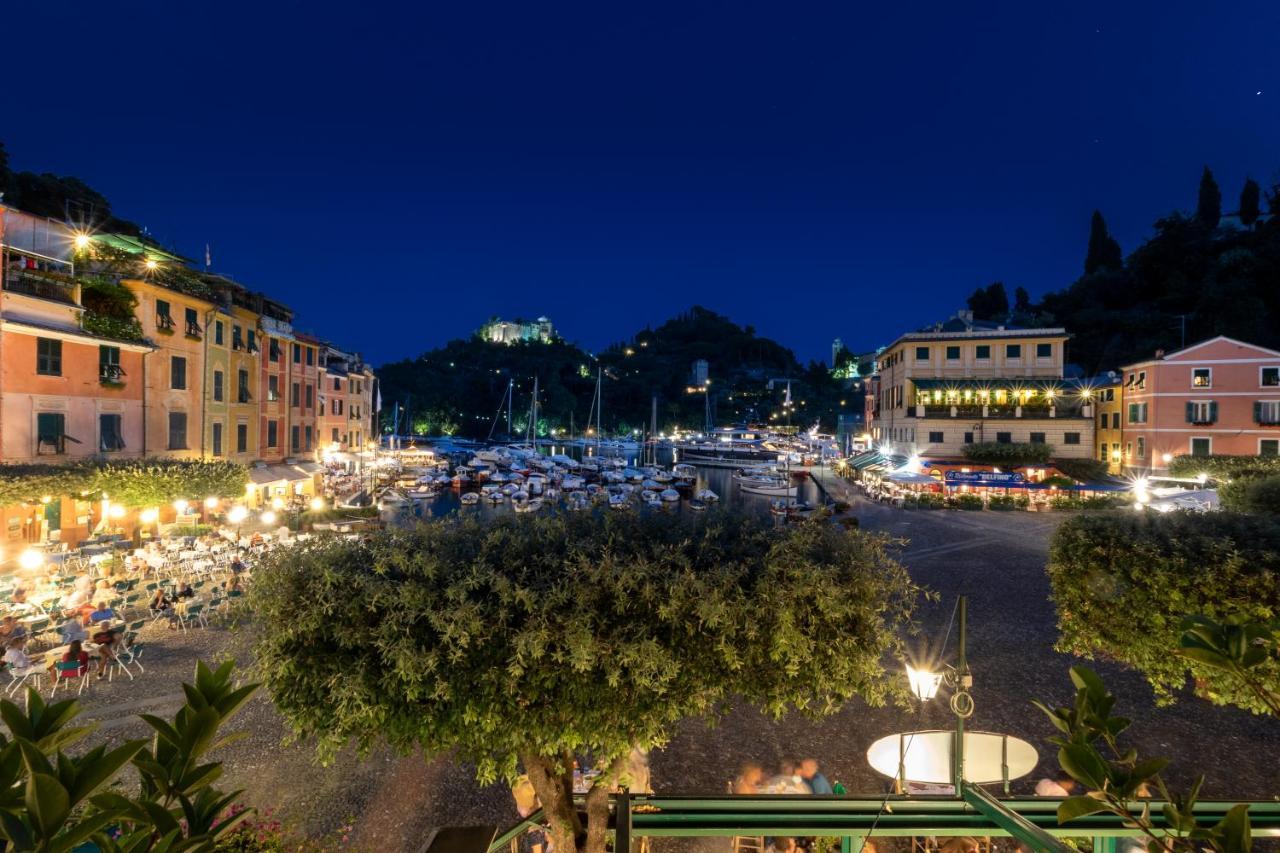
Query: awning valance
[{"x": 276, "y": 474}]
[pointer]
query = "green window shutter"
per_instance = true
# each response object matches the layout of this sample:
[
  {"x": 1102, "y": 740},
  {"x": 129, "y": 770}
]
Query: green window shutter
[
  {"x": 1213, "y": 411},
  {"x": 1257, "y": 411},
  {"x": 1191, "y": 413}
]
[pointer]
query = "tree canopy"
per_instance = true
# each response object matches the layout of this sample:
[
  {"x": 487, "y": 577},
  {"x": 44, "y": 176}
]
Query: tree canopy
[
  {"x": 532, "y": 641},
  {"x": 1104, "y": 252},
  {"x": 990, "y": 302}
]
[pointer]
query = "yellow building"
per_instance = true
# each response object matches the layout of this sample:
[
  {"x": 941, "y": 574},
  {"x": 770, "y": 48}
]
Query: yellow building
[
  {"x": 963, "y": 383},
  {"x": 233, "y": 373},
  {"x": 1110, "y": 431}
]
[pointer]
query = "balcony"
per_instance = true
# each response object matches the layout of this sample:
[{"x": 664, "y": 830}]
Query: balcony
[
  {"x": 111, "y": 374},
  {"x": 164, "y": 323},
  {"x": 1000, "y": 411},
  {"x": 193, "y": 330},
  {"x": 43, "y": 285}
]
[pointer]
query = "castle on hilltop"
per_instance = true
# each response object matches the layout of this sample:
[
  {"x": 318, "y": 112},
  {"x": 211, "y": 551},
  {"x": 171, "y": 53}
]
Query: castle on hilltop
[{"x": 511, "y": 331}]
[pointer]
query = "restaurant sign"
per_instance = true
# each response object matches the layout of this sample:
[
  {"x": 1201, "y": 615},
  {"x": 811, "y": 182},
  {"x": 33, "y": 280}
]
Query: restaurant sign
[{"x": 985, "y": 478}]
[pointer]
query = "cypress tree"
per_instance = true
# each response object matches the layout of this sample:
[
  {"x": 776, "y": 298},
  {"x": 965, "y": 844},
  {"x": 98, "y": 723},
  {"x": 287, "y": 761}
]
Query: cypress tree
[
  {"x": 1209, "y": 204},
  {"x": 1104, "y": 252},
  {"x": 1250, "y": 202}
]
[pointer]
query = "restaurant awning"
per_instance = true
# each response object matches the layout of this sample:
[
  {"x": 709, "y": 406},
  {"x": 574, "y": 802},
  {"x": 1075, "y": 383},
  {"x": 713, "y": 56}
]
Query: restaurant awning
[
  {"x": 911, "y": 478},
  {"x": 276, "y": 474},
  {"x": 309, "y": 468},
  {"x": 866, "y": 460}
]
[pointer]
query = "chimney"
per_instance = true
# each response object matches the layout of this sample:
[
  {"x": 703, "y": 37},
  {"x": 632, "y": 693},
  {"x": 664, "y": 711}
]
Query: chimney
[{"x": 1159, "y": 354}]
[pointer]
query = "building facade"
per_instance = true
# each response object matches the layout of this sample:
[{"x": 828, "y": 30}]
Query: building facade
[
  {"x": 1220, "y": 396},
  {"x": 1109, "y": 436},
  {"x": 938, "y": 391},
  {"x": 513, "y": 331},
  {"x": 277, "y": 339}
]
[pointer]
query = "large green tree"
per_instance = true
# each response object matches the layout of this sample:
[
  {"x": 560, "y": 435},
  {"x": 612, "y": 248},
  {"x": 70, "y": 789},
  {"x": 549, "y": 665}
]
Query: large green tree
[
  {"x": 532, "y": 642},
  {"x": 1250, "y": 202},
  {"x": 1209, "y": 200},
  {"x": 1104, "y": 252},
  {"x": 990, "y": 302}
]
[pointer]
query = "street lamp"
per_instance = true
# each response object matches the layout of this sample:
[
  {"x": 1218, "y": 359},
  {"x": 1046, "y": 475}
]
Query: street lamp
[
  {"x": 925, "y": 683},
  {"x": 31, "y": 559}
]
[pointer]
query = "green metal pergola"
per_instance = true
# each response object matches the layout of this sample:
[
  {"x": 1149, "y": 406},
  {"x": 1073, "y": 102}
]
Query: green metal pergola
[{"x": 853, "y": 817}]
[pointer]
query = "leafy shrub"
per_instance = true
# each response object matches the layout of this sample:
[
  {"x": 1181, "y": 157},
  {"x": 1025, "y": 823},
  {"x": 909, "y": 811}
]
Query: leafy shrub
[
  {"x": 1081, "y": 470},
  {"x": 1058, "y": 481},
  {"x": 997, "y": 453},
  {"x": 1252, "y": 494},
  {"x": 1123, "y": 582},
  {"x": 1224, "y": 467},
  {"x": 1008, "y": 502},
  {"x": 190, "y": 530},
  {"x": 965, "y": 501},
  {"x": 930, "y": 500},
  {"x": 132, "y": 482}
]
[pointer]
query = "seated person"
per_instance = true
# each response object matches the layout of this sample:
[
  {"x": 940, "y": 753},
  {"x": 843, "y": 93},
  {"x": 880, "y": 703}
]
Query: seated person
[
  {"x": 11, "y": 629},
  {"x": 782, "y": 845},
  {"x": 186, "y": 591},
  {"x": 749, "y": 779},
  {"x": 72, "y": 629},
  {"x": 76, "y": 654},
  {"x": 102, "y": 613},
  {"x": 813, "y": 777},
  {"x": 105, "y": 638},
  {"x": 19, "y": 604},
  {"x": 17, "y": 660}
]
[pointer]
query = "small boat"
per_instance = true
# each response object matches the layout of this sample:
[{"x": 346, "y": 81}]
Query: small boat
[
  {"x": 669, "y": 495},
  {"x": 420, "y": 494},
  {"x": 618, "y": 501},
  {"x": 470, "y": 498},
  {"x": 495, "y": 496},
  {"x": 651, "y": 484},
  {"x": 773, "y": 487},
  {"x": 529, "y": 505},
  {"x": 684, "y": 471},
  {"x": 706, "y": 496},
  {"x": 571, "y": 481},
  {"x": 697, "y": 505},
  {"x": 650, "y": 497}
]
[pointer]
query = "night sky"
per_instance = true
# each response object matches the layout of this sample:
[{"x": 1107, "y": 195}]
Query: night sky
[{"x": 400, "y": 173}]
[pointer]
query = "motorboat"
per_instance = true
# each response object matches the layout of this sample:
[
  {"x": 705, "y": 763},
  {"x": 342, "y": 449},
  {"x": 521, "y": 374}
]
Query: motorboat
[
  {"x": 572, "y": 481},
  {"x": 773, "y": 487},
  {"x": 470, "y": 498},
  {"x": 528, "y": 505},
  {"x": 684, "y": 471},
  {"x": 669, "y": 495},
  {"x": 697, "y": 505},
  {"x": 617, "y": 501},
  {"x": 707, "y": 496},
  {"x": 650, "y": 484},
  {"x": 495, "y": 496}
]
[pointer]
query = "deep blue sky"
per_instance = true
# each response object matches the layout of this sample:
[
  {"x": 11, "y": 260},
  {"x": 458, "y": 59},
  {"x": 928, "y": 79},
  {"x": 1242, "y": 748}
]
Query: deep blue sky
[{"x": 400, "y": 173}]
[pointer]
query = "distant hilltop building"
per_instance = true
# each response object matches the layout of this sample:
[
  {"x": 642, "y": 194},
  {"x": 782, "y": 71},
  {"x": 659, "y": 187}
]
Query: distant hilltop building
[
  {"x": 700, "y": 372},
  {"x": 512, "y": 331}
]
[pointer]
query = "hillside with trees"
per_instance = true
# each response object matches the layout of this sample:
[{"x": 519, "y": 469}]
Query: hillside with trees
[
  {"x": 457, "y": 388},
  {"x": 1219, "y": 274},
  {"x": 59, "y": 197}
]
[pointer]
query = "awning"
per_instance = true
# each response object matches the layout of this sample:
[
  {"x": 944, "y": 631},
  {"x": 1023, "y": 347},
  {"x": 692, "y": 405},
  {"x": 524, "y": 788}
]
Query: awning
[
  {"x": 309, "y": 468},
  {"x": 866, "y": 460},
  {"x": 276, "y": 474},
  {"x": 911, "y": 478}
]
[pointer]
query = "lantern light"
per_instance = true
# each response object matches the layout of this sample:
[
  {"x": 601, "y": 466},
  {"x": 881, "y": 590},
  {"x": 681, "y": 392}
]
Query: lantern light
[
  {"x": 269, "y": 517},
  {"x": 237, "y": 514},
  {"x": 317, "y": 504},
  {"x": 277, "y": 503},
  {"x": 149, "y": 516},
  {"x": 211, "y": 503},
  {"x": 924, "y": 684}
]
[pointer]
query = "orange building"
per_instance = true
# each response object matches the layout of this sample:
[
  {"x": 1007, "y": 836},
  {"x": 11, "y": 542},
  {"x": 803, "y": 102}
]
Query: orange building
[
  {"x": 346, "y": 402},
  {"x": 304, "y": 381},
  {"x": 277, "y": 337}
]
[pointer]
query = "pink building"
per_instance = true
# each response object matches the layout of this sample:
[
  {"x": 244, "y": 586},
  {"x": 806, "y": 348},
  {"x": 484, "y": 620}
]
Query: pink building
[{"x": 1220, "y": 396}]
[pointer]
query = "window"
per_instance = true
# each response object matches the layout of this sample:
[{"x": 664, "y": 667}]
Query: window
[
  {"x": 164, "y": 320},
  {"x": 217, "y": 438},
  {"x": 1270, "y": 377},
  {"x": 311, "y": 356},
  {"x": 1037, "y": 438},
  {"x": 1102, "y": 451},
  {"x": 922, "y": 353},
  {"x": 1128, "y": 450},
  {"x": 273, "y": 350},
  {"x": 309, "y": 397},
  {"x": 1202, "y": 412},
  {"x": 1004, "y": 438},
  {"x": 297, "y": 354},
  {"x": 337, "y": 384},
  {"x": 1142, "y": 380},
  {"x": 1137, "y": 413},
  {"x": 1269, "y": 447},
  {"x": 1266, "y": 412},
  {"x": 110, "y": 434},
  {"x": 217, "y": 386},
  {"x": 193, "y": 323},
  {"x": 953, "y": 353},
  {"x": 1115, "y": 417},
  {"x": 237, "y": 337},
  {"x": 109, "y": 369},
  {"x": 1102, "y": 421},
  {"x": 51, "y": 433},
  {"x": 242, "y": 387},
  {"x": 48, "y": 357},
  {"x": 1111, "y": 394},
  {"x": 273, "y": 388},
  {"x": 177, "y": 430},
  {"x": 218, "y": 332},
  {"x": 294, "y": 443},
  {"x": 253, "y": 341},
  {"x": 983, "y": 352},
  {"x": 336, "y": 440},
  {"x": 1201, "y": 446},
  {"x": 935, "y": 438},
  {"x": 1202, "y": 377},
  {"x": 242, "y": 438},
  {"x": 1044, "y": 350},
  {"x": 307, "y": 433},
  {"x": 1071, "y": 438},
  {"x": 968, "y": 438},
  {"x": 1013, "y": 350},
  {"x": 178, "y": 373},
  {"x": 273, "y": 433},
  {"x": 1142, "y": 447},
  {"x": 293, "y": 394}
]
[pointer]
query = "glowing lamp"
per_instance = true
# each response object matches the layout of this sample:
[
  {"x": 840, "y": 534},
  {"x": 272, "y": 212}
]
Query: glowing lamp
[
  {"x": 116, "y": 511},
  {"x": 149, "y": 516},
  {"x": 277, "y": 503},
  {"x": 269, "y": 517},
  {"x": 210, "y": 503},
  {"x": 924, "y": 684},
  {"x": 151, "y": 264},
  {"x": 1166, "y": 457},
  {"x": 237, "y": 514},
  {"x": 317, "y": 504},
  {"x": 31, "y": 559},
  {"x": 46, "y": 499},
  {"x": 82, "y": 242},
  {"x": 180, "y": 505}
]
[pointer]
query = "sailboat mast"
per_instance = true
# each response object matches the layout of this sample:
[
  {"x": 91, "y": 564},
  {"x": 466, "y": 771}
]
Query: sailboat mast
[
  {"x": 599, "y": 406},
  {"x": 510, "y": 391}
]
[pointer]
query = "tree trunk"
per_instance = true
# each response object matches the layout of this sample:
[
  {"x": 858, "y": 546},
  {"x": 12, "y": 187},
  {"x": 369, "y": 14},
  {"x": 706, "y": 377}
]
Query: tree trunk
[{"x": 555, "y": 792}]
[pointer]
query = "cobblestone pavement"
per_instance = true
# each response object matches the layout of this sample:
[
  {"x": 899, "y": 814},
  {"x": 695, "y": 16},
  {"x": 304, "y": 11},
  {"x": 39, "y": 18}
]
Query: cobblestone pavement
[{"x": 997, "y": 559}]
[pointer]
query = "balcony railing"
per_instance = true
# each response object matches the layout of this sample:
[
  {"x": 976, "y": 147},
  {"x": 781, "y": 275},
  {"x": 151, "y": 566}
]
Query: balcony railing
[
  {"x": 996, "y": 411},
  {"x": 42, "y": 285},
  {"x": 113, "y": 373},
  {"x": 193, "y": 330},
  {"x": 164, "y": 322}
]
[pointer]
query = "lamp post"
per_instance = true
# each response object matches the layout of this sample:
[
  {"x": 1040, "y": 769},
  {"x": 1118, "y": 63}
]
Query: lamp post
[{"x": 925, "y": 683}]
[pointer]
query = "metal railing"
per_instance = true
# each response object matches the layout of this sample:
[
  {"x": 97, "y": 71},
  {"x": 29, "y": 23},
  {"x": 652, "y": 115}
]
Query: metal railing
[{"x": 40, "y": 285}]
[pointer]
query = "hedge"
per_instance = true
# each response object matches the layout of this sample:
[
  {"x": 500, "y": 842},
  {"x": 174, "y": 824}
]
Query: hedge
[
  {"x": 133, "y": 482},
  {"x": 1009, "y": 453},
  {"x": 1252, "y": 494},
  {"x": 1122, "y": 582},
  {"x": 1224, "y": 467}
]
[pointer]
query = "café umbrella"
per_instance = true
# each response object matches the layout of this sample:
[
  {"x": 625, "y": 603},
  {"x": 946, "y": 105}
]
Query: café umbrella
[{"x": 927, "y": 757}]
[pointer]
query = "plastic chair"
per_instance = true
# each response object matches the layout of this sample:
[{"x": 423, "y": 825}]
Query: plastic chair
[
  {"x": 66, "y": 671},
  {"x": 131, "y": 651},
  {"x": 18, "y": 677}
]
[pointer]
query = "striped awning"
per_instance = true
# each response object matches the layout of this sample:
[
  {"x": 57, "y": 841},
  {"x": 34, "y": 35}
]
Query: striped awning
[{"x": 866, "y": 460}]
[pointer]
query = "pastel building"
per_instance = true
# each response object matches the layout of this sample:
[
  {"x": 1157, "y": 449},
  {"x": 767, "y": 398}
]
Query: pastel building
[
  {"x": 232, "y": 374},
  {"x": 958, "y": 383},
  {"x": 1220, "y": 396},
  {"x": 1108, "y": 399},
  {"x": 345, "y": 418}
]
